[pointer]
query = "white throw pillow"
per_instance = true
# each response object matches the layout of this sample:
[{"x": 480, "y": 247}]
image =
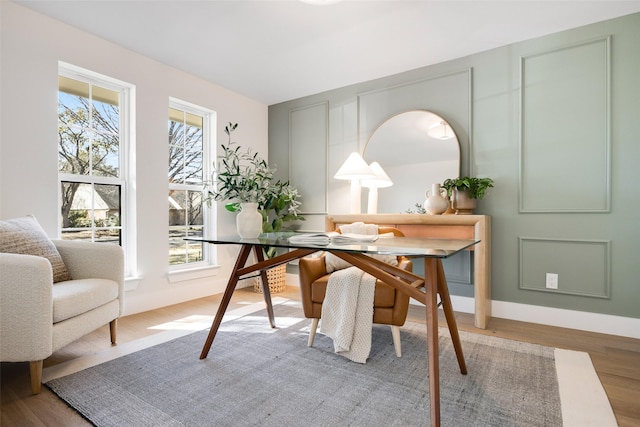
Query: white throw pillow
[{"x": 334, "y": 263}]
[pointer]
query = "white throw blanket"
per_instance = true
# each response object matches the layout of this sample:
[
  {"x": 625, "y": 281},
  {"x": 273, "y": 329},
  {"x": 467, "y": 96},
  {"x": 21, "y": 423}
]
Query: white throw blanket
[
  {"x": 347, "y": 313},
  {"x": 347, "y": 310}
]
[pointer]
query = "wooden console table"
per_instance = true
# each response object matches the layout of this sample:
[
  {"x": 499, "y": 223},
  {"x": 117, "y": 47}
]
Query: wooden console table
[{"x": 477, "y": 227}]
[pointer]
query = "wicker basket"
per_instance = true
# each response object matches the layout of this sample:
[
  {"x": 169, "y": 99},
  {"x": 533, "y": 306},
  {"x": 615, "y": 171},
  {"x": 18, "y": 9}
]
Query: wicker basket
[{"x": 275, "y": 277}]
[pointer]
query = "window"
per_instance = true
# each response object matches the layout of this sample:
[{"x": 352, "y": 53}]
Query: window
[
  {"x": 189, "y": 147},
  {"x": 93, "y": 140}
]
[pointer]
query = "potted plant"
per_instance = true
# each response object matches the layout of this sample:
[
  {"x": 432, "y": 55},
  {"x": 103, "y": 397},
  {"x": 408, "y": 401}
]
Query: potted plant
[
  {"x": 464, "y": 192},
  {"x": 279, "y": 206},
  {"x": 244, "y": 177},
  {"x": 240, "y": 178},
  {"x": 246, "y": 182}
]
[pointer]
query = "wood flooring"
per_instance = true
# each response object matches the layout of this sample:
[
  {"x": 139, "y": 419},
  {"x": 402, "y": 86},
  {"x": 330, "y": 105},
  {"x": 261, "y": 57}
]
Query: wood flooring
[{"x": 616, "y": 359}]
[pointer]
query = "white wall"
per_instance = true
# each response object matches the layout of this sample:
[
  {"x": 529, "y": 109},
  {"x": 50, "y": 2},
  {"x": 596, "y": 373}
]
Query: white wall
[{"x": 32, "y": 45}]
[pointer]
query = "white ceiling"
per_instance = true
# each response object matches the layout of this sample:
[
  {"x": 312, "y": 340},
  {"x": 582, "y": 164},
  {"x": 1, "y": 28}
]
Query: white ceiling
[{"x": 274, "y": 51}]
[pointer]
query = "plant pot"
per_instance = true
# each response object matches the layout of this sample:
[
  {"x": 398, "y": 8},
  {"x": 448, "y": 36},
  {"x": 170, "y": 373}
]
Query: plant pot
[
  {"x": 249, "y": 221},
  {"x": 462, "y": 203},
  {"x": 276, "y": 279}
]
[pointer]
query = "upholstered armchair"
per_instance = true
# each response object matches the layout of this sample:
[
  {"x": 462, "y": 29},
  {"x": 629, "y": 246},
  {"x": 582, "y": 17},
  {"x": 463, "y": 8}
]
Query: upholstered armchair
[
  {"x": 38, "y": 316},
  {"x": 390, "y": 306}
]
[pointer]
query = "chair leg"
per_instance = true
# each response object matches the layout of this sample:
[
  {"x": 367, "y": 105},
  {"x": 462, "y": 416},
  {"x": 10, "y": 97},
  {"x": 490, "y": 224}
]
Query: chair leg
[
  {"x": 395, "y": 332},
  {"x": 113, "y": 327},
  {"x": 312, "y": 332},
  {"x": 35, "y": 370}
]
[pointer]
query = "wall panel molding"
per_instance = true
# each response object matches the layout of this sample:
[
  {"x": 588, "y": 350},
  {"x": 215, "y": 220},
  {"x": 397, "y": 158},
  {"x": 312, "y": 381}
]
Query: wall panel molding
[
  {"x": 309, "y": 139},
  {"x": 458, "y": 269},
  {"x": 448, "y": 95},
  {"x": 565, "y": 129},
  {"x": 583, "y": 266}
]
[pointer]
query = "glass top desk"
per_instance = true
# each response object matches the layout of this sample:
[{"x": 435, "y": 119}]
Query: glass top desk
[{"x": 423, "y": 289}]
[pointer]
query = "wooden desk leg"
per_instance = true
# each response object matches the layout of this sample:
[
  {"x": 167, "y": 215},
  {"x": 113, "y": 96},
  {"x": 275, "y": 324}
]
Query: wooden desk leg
[
  {"x": 245, "y": 250},
  {"x": 431, "y": 289},
  {"x": 443, "y": 290},
  {"x": 264, "y": 282}
]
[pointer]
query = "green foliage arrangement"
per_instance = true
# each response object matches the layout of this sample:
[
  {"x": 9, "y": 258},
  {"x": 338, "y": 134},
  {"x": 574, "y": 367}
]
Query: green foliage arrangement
[
  {"x": 419, "y": 209},
  {"x": 244, "y": 177},
  {"x": 475, "y": 187},
  {"x": 240, "y": 176}
]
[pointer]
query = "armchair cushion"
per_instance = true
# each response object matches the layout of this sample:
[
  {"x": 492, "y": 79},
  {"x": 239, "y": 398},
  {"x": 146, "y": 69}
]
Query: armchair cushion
[
  {"x": 75, "y": 297},
  {"x": 25, "y": 236}
]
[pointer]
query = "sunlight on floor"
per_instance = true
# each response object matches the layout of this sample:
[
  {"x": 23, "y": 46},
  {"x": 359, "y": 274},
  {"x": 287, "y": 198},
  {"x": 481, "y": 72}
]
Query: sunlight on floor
[
  {"x": 260, "y": 324},
  {"x": 172, "y": 330},
  {"x": 198, "y": 322},
  {"x": 195, "y": 322}
]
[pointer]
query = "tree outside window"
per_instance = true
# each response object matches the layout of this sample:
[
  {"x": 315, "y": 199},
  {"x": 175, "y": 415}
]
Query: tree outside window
[
  {"x": 89, "y": 161},
  {"x": 187, "y": 144}
]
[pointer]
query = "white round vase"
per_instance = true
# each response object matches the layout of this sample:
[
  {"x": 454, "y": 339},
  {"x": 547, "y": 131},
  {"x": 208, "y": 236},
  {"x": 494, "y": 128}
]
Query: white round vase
[
  {"x": 249, "y": 221},
  {"x": 436, "y": 203}
]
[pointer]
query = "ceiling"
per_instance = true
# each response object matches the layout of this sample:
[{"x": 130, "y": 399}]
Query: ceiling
[{"x": 273, "y": 51}]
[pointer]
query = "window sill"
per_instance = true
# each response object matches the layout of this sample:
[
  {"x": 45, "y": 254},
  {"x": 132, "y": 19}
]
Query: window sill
[
  {"x": 191, "y": 274},
  {"x": 131, "y": 283}
]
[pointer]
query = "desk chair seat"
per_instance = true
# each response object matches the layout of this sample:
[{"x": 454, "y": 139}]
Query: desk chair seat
[{"x": 390, "y": 306}]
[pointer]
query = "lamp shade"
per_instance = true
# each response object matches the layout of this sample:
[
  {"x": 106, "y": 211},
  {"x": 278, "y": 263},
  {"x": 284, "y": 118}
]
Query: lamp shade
[
  {"x": 381, "y": 180},
  {"x": 354, "y": 168},
  {"x": 441, "y": 130}
]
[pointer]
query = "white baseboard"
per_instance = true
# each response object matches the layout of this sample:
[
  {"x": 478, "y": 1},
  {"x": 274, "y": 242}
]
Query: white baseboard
[{"x": 581, "y": 320}]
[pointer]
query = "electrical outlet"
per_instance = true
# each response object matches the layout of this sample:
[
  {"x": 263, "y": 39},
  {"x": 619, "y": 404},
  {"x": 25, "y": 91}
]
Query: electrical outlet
[{"x": 552, "y": 281}]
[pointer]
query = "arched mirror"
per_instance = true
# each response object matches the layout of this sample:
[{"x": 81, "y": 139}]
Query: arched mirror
[{"x": 415, "y": 149}]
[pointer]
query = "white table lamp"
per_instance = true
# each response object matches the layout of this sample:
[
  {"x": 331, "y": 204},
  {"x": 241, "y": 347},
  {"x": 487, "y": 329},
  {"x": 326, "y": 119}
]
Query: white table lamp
[
  {"x": 441, "y": 130},
  {"x": 355, "y": 169},
  {"x": 380, "y": 181}
]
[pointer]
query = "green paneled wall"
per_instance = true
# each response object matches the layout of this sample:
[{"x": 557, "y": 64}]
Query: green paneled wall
[{"x": 555, "y": 121}]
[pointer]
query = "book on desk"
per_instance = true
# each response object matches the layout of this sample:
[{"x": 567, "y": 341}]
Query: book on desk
[{"x": 326, "y": 237}]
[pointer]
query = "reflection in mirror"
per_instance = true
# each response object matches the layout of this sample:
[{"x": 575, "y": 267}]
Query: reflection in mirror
[{"x": 412, "y": 158}]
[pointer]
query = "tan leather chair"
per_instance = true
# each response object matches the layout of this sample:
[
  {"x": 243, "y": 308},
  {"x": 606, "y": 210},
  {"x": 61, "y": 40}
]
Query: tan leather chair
[{"x": 389, "y": 306}]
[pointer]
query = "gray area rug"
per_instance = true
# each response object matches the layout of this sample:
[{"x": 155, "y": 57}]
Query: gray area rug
[{"x": 258, "y": 376}]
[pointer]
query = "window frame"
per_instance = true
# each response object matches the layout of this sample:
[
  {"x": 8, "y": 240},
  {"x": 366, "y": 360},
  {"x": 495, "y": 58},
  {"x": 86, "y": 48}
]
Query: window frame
[
  {"x": 127, "y": 175},
  {"x": 209, "y": 120}
]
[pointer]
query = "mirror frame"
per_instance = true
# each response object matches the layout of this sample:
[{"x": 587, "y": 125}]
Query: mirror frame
[{"x": 430, "y": 120}]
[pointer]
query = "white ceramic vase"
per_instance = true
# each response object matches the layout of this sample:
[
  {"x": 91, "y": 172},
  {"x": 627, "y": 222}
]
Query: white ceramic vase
[
  {"x": 436, "y": 202},
  {"x": 249, "y": 221}
]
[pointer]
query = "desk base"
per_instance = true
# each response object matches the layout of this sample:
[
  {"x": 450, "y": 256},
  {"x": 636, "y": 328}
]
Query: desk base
[{"x": 434, "y": 283}]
